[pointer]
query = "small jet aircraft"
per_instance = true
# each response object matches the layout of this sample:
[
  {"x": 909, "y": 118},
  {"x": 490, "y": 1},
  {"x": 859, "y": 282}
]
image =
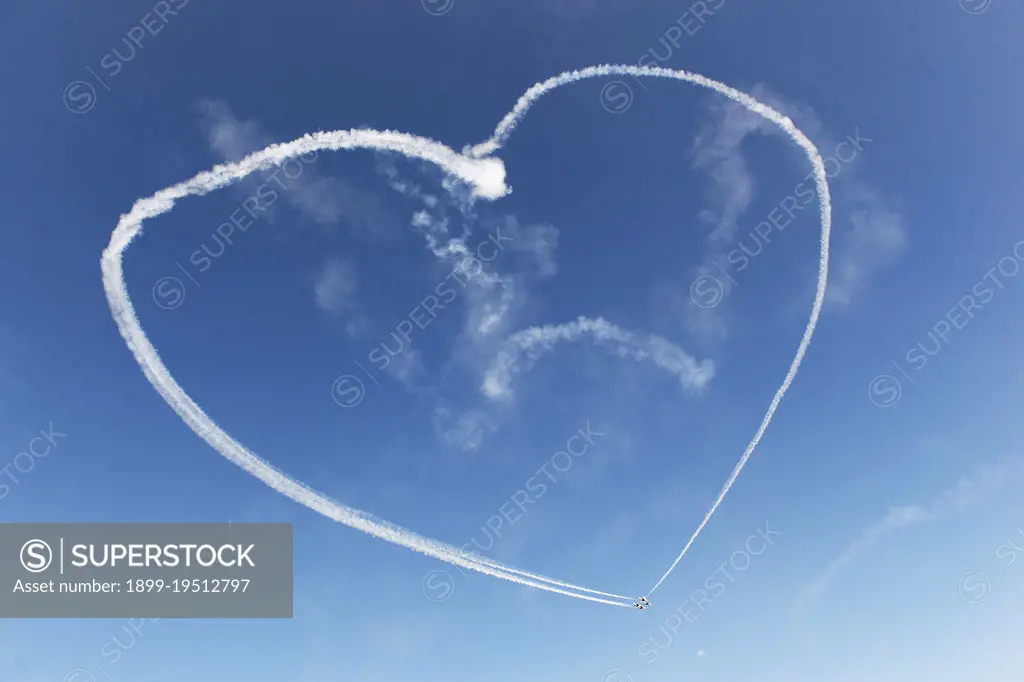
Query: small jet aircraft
[
  {"x": 639, "y": 606},
  {"x": 644, "y": 601}
]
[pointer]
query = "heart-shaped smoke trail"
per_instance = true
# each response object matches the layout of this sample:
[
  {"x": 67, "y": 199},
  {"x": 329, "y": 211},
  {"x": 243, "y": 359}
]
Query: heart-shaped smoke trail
[{"x": 486, "y": 176}]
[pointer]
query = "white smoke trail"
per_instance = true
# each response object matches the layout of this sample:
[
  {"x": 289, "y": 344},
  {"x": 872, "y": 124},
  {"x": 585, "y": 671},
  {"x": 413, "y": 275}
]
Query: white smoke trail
[
  {"x": 512, "y": 119},
  {"x": 486, "y": 176},
  {"x": 488, "y": 180},
  {"x": 535, "y": 341}
]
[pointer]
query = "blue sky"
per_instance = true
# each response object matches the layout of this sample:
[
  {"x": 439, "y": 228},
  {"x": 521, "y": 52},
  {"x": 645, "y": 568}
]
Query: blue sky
[{"x": 889, "y": 475}]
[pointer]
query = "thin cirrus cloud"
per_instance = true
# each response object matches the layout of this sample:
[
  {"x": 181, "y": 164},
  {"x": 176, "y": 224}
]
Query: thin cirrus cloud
[
  {"x": 968, "y": 492},
  {"x": 335, "y": 286},
  {"x": 464, "y": 431},
  {"x": 335, "y": 293},
  {"x": 897, "y": 518},
  {"x": 874, "y": 238},
  {"x": 869, "y": 231}
]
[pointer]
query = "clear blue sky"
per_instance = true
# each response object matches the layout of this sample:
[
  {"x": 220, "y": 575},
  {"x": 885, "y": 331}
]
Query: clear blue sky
[{"x": 892, "y": 468}]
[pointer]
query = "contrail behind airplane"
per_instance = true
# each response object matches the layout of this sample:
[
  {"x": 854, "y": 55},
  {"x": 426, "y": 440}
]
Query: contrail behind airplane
[{"x": 487, "y": 178}]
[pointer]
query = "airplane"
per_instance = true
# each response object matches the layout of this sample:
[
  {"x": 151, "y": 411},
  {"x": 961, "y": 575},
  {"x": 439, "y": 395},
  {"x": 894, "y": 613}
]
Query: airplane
[
  {"x": 645, "y": 602},
  {"x": 639, "y": 606}
]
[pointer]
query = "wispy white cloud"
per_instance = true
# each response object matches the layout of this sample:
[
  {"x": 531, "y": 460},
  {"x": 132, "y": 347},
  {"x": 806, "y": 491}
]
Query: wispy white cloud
[
  {"x": 896, "y": 519},
  {"x": 407, "y": 367},
  {"x": 489, "y": 294},
  {"x": 464, "y": 431},
  {"x": 717, "y": 150},
  {"x": 528, "y": 257},
  {"x": 521, "y": 253},
  {"x": 334, "y": 292},
  {"x": 335, "y": 286},
  {"x": 873, "y": 238},
  {"x": 231, "y": 138},
  {"x": 975, "y": 490},
  {"x": 968, "y": 492},
  {"x": 506, "y": 258},
  {"x": 868, "y": 232},
  {"x": 534, "y": 244}
]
